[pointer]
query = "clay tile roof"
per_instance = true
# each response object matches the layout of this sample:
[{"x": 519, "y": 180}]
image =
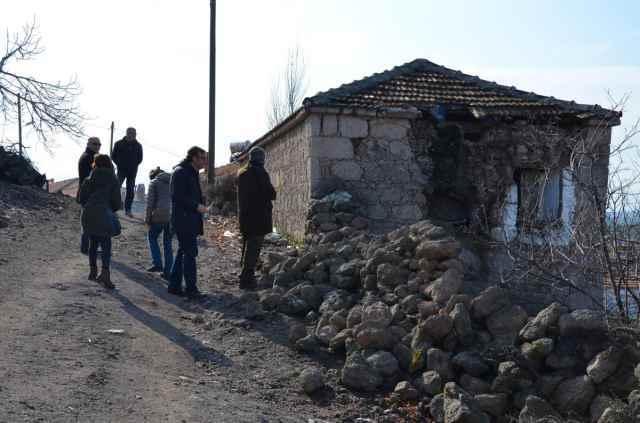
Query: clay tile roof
[{"x": 424, "y": 84}]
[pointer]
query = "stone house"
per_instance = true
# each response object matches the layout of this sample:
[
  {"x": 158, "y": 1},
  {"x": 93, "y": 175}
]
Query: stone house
[{"x": 424, "y": 141}]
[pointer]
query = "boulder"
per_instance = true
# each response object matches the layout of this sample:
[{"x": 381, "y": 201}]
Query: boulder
[
  {"x": 492, "y": 404},
  {"x": 537, "y": 327},
  {"x": 489, "y": 301},
  {"x": 427, "y": 308},
  {"x": 325, "y": 334},
  {"x": 471, "y": 363},
  {"x": 616, "y": 415},
  {"x": 377, "y": 314},
  {"x": 405, "y": 391},
  {"x": 293, "y": 305},
  {"x": 441, "y": 249},
  {"x": 384, "y": 363},
  {"x": 600, "y": 403},
  {"x": 536, "y": 409},
  {"x": 429, "y": 383},
  {"x": 582, "y": 322},
  {"x": 574, "y": 395},
  {"x": 440, "y": 362},
  {"x": 537, "y": 350},
  {"x": 374, "y": 337},
  {"x": 297, "y": 331},
  {"x": 435, "y": 327},
  {"x": 337, "y": 343},
  {"x": 473, "y": 384},
  {"x": 358, "y": 375},
  {"x": 354, "y": 317},
  {"x": 462, "y": 323},
  {"x": 311, "y": 380},
  {"x": 443, "y": 288},
  {"x": 390, "y": 276},
  {"x": 308, "y": 343},
  {"x": 604, "y": 364},
  {"x": 335, "y": 300},
  {"x": 505, "y": 324},
  {"x": 436, "y": 408},
  {"x": 511, "y": 378}
]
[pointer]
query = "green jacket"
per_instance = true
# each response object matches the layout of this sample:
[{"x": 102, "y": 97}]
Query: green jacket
[{"x": 99, "y": 194}]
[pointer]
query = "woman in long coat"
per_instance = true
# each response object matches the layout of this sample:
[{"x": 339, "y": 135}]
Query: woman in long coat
[{"x": 100, "y": 199}]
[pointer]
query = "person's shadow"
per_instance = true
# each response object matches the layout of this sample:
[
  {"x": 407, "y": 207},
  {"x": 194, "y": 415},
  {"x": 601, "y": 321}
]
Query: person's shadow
[{"x": 195, "y": 348}]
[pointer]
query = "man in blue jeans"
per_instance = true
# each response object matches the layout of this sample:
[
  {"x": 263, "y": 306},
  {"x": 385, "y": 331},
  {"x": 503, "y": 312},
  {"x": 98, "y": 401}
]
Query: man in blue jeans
[
  {"x": 158, "y": 220},
  {"x": 186, "y": 220}
]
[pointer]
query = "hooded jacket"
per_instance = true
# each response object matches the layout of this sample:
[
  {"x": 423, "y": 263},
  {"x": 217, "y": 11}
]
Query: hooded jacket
[
  {"x": 186, "y": 195},
  {"x": 127, "y": 155},
  {"x": 159, "y": 199},
  {"x": 255, "y": 196},
  {"x": 99, "y": 193}
]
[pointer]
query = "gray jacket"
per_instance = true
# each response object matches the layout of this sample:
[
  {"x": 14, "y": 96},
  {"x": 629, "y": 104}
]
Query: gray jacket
[{"x": 159, "y": 199}]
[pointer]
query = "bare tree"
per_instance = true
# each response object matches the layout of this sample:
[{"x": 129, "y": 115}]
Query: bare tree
[
  {"x": 49, "y": 106},
  {"x": 597, "y": 253},
  {"x": 288, "y": 89}
]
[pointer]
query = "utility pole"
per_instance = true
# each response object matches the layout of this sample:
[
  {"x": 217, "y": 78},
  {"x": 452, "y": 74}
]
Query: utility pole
[
  {"x": 111, "y": 143},
  {"x": 212, "y": 96},
  {"x": 19, "y": 126}
]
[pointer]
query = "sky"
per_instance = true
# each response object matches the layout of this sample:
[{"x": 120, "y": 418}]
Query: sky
[{"x": 145, "y": 63}]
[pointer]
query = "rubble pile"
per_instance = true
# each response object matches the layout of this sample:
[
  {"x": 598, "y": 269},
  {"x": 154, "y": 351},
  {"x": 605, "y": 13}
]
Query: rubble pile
[
  {"x": 333, "y": 218},
  {"x": 18, "y": 170},
  {"x": 395, "y": 307}
]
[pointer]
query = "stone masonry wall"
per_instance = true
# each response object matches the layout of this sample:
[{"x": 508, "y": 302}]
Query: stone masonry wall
[
  {"x": 288, "y": 163},
  {"x": 374, "y": 161}
]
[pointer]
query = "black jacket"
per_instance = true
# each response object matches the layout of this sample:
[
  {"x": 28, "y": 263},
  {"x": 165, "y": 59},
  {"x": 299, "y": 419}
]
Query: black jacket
[
  {"x": 84, "y": 165},
  {"x": 185, "y": 196},
  {"x": 255, "y": 196},
  {"x": 99, "y": 193},
  {"x": 127, "y": 155}
]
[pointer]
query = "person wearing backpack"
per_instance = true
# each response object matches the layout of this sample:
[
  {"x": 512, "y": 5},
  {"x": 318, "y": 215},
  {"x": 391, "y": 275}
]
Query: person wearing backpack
[
  {"x": 100, "y": 199},
  {"x": 158, "y": 217}
]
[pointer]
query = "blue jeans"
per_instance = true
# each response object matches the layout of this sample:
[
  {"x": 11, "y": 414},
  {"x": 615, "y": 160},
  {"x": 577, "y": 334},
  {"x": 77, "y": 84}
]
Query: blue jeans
[
  {"x": 154, "y": 232},
  {"x": 184, "y": 264},
  {"x": 105, "y": 245}
]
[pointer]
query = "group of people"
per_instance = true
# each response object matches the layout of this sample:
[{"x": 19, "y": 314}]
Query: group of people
[{"x": 175, "y": 208}]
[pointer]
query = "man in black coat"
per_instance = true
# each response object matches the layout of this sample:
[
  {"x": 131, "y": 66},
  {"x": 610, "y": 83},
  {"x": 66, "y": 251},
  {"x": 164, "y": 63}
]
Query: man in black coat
[
  {"x": 127, "y": 155},
  {"x": 84, "y": 169},
  {"x": 255, "y": 197},
  {"x": 186, "y": 221}
]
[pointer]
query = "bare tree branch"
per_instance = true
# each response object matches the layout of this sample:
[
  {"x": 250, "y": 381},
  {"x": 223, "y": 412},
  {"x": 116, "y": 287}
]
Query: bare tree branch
[
  {"x": 288, "y": 89},
  {"x": 49, "y": 106}
]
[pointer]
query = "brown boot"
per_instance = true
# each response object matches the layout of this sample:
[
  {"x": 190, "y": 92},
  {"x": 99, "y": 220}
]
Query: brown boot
[
  {"x": 105, "y": 279},
  {"x": 93, "y": 273}
]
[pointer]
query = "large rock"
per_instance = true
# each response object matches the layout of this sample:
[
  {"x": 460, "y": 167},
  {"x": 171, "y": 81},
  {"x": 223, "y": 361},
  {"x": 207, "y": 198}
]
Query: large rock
[
  {"x": 325, "y": 334},
  {"x": 582, "y": 322},
  {"x": 505, "y": 324},
  {"x": 297, "y": 331},
  {"x": 429, "y": 383},
  {"x": 460, "y": 407},
  {"x": 440, "y": 361},
  {"x": 616, "y": 415},
  {"x": 443, "y": 288},
  {"x": 537, "y": 327},
  {"x": 374, "y": 337},
  {"x": 538, "y": 410},
  {"x": 354, "y": 317},
  {"x": 404, "y": 391},
  {"x": 436, "y": 408},
  {"x": 538, "y": 349},
  {"x": 358, "y": 375},
  {"x": 493, "y": 404},
  {"x": 574, "y": 395},
  {"x": 598, "y": 405},
  {"x": 293, "y": 305},
  {"x": 604, "y": 364},
  {"x": 489, "y": 301},
  {"x": 435, "y": 327},
  {"x": 390, "y": 276},
  {"x": 511, "y": 378},
  {"x": 335, "y": 300},
  {"x": 441, "y": 249},
  {"x": 384, "y": 363},
  {"x": 471, "y": 363},
  {"x": 474, "y": 385},
  {"x": 377, "y": 314},
  {"x": 462, "y": 323},
  {"x": 311, "y": 380}
]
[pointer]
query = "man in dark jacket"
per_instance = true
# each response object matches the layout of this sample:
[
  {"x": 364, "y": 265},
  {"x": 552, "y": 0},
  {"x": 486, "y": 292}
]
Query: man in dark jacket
[
  {"x": 84, "y": 169},
  {"x": 127, "y": 155},
  {"x": 255, "y": 196},
  {"x": 186, "y": 221}
]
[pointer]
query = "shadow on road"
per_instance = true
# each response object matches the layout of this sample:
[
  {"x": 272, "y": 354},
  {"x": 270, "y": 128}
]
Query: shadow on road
[{"x": 195, "y": 348}]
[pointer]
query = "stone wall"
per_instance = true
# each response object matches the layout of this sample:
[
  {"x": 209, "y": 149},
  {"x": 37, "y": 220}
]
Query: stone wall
[
  {"x": 372, "y": 157},
  {"x": 288, "y": 163}
]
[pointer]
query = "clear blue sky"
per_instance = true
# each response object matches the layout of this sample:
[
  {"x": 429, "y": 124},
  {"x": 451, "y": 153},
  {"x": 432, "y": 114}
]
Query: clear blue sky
[{"x": 145, "y": 63}]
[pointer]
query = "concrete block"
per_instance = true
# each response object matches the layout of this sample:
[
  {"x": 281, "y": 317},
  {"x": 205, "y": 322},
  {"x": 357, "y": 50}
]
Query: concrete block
[
  {"x": 353, "y": 127},
  {"x": 347, "y": 170},
  {"x": 338, "y": 148},
  {"x": 391, "y": 129},
  {"x": 329, "y": 125},
  {"x": 401, "y": 149}
]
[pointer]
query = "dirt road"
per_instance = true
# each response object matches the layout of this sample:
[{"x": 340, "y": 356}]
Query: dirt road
[{"x": 169, "y": 360}]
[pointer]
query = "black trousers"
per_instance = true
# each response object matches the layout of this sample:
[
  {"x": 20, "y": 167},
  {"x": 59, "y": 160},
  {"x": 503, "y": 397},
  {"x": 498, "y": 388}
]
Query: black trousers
[
  {"x": 131, "y": 186},
  {"x": 251, "y": 252}
]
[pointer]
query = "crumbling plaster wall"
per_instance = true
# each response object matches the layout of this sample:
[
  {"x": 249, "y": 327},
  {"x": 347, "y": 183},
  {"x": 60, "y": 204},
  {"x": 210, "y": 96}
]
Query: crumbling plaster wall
[{"x": 372, "y": 156}]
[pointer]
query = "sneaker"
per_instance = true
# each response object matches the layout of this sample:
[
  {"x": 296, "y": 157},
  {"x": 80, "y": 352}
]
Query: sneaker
[
  {"x": 176, "y": 292},
  {"x": 155, "y": 269}
]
